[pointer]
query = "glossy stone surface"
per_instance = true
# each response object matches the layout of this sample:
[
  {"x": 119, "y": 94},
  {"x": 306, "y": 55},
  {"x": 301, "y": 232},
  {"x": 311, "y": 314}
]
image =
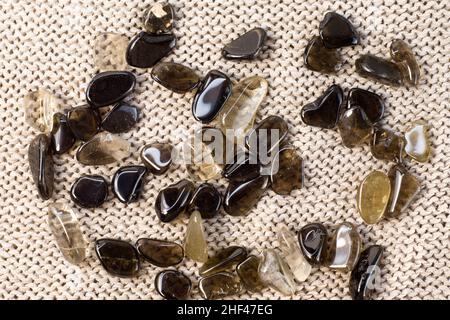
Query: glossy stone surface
[
  {"x": 371, "y": 103},
  {"x": 175, "y": 77},
  {"x": 324, "y": 112},
  {"x": 146, "y": 50},
  {"x": 89, "y": 191},
  {"x": 219, "y": 286},
  {"x": 40, "y": 106},
  {"x": 367, "y": 273},
  {"x": 157, "y": 157},
  {"x": 345, "y": 248},
  {"x": 319, "y": 58},
  {"x": 122, "y": 118},
  {"x": 207, "y": 200},
  {"x": 243, "y": 168},
  {"x": 84, "y": 122},
  {"x": 275, "y": 273},
  {"x": 174, "y": 200},
  {"x": 266, "y": 137},
  {"x": 158, "y": 18},
  {"x": 62, "y": 138},
  {"x": 212, "y": 94},
  {"x": 402, "y": 54},
  {"x": 173, "y": 285},
  {"x": 225, "y": 260},
  {"x": 117, "y": 257},
  {"x": 195, "y": 245},
  {"x": 247, "y": 46},
  {"x": 127, "y": 183},
  {"x": 103, "y": 149},
  {"x": 418, "y": 142},
  {"x": 66, "y": 230},
  {"x": 355, "y": 127},
  {"x": 160, "y": 253},
  {"x": 379, "y": 69},
  {"x": 241, "y": 198},
  {"x": 249, "y": 275},
  {"x": 110, "y": 50},
  {"x": 287, "y": 174},
  {"x": 373, "y": 197},
  {"x": 405, "y": 187},
  {"x": 108, "y": 88},
  {"x": 387, "y": 145},
  {"x": 337, "y": 32},
  {"x": 313, "y": 243},
  {"x": 41, "y": 165}
]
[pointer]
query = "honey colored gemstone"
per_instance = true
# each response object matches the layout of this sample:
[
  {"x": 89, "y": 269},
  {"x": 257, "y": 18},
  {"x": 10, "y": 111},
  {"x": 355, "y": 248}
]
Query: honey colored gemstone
[
  {"x": 62, "y": 138},
  {"x": 313, "y": 242},
  {"x": 247, "y": 46},
  {"x": 220, "y": 285},
  {"x": 174, "y": 200},
  {"x": 158, "y": 19},
  {"x": 337, "y": 32},
  {"x": 84, "y": 122},
  {"x": 371, "y": 103},
  {"x": 293, "y": 255},
  {"x": 402, "y": 54},
  {"x": 373, "y": 197},
  {"x": 249, "y": 275},
  {"x": 110, "y": 50},
  {"x": 119, "y": 258},
  {"x": 41, "y": 165},
  {"x": 287, "y": 171},
  {"x": 195, "y": 245},
  {"x": 224, "y": 260},
  {"x": 173, "y": 285},
  {"x": 345, "y": 248},
  {"x": 40, "y": 106},
  {"x": 405, "y": 188},
  {"x": 160, "y": 253},
  {"x": 175, "y": 77},
  {"x": 418, "y": 141},
  {"x": 157, "y": 157},
  {"x": 379, "y": 69},
  {"x": 321, "y": 59},
  {"x": 275, "y": 273},
  {"x": 387, "y": 145},
  {"x": 355, "y": 127}
]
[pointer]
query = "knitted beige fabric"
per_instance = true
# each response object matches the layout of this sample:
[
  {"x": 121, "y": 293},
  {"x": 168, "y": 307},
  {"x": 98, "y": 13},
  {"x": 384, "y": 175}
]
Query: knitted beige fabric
[{"x": 48, "y": 44}]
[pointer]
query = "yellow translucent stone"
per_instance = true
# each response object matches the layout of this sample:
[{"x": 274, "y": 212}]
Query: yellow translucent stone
[
  {"x": 110, "y": 52},
  {"x": 418, "y": 142},
  {"x": 40, "y": 106},
  {"x": 373, "y": 197},
  {"x": 195, "y": 245}
]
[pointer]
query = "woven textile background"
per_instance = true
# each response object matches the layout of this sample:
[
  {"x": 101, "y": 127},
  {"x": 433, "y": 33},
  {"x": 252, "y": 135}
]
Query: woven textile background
[{"x": 49, "y": 43}]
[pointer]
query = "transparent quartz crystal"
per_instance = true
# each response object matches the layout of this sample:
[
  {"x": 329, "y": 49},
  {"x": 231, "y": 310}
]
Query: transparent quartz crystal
[
  {"x": 110, "y": 52},
  {"x": 40, "y": 106}
]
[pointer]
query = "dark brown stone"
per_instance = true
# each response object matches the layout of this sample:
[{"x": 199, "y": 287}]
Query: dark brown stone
[
  {"x": 157, "y": 158},
  {"x": 110, "y": 87},
  {"x": 244, "y": 167},
  {"x": 337, "y": 32},
  {"x": 127, "y": 183},
  {"x": 313, "y": 242},
  {"x": 207, "y": 200},
  {"x": 158, "y": 18},
  {"x": 404, "y": 188},
  {"x": 379, "y": 69},
  {"x": 41, "y": 165},
  {"x": 174, "y": 200},
  {"x": 224, "y": 260},
  {"x": 89, "y": 191},
  {"x": 287, "y": 171},
  {"x": 219, "y": 286},
  {"x": 173, "y": 285},
  {"x": 387, "y": 145},
  {"x": 371, "y": 103},
  {"x": 355, "y": 127},
  {"x": 84, "y": 122},
  {"x": 247, "y": 46},
  {"x": 118, "y": 257},
  {"x": 62, "y": 138},
  {"x": 175, "y": 77},
  {"x": 146, "y": 50},
  {"x": 249, "y": 274},
  {"x": 160, "y": 253},
  {"x": 321, "y": 59},
  {"x": 122, "y": 118}
]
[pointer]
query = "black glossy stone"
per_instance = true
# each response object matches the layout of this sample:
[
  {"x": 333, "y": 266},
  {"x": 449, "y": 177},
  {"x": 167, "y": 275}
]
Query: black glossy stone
[
  {"x": 146, "y": 50},
  {"x": 89, "y": 191},
  {"x": 247, "y": 46},
  {"x": 371, "y": 103},
  {"x": 207, "y": 200},
  {"x": 337, "y": 32},
  {"x": 127, "y": 183},
  {"x": 319, "y": 58},
  {"x": 122, "y": 118},
  {"x": 62, "y": 138},
  {"x": 244, "y": 167},
  {"x": 118, "y": 257},
  {"x": 110, "y": 87},
  {"x": 213, "y": 92},
  {"x": 173, "y": 285},
  {"x": 379, "y": 69},
  {"x": 174, "y": 200},
  {"x": 313, "y": 242},
  {"x": 41, "y": 165},
  {"x": 324, "y": 112},
  {"x": 84, "y": 122},
  {"x": 157, "y": 157}
]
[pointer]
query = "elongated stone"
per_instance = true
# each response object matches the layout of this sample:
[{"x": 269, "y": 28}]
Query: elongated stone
[
  {"x": 367, "y": 273},
  {"x": 41, "y": 165},
  {"x": 173, "y": 285},
  {"x": 174, "y": 200},
  {"x": 66, "y": 230},
  {"x": 247, "y": 271},
  {"x": 84, "y": 122},
  {"x": 402, "y": 54},
  {"x": 108, "y": 88},
  {"x": 127, "y": 183},
  {"x": 157, "y": 157},
  {"x": 355, "y": 127},
  {"x": 371, "y": 103},
  {"x": 146, "y": 50},
  {"x": 275, "y": 273},
  {"x": 158, "y": 18},
  {"x": 387, "y": 145},
  {"x": 418, "y": 142},
  {"x": 293, "y": 255},
  {"x": 160, "y": 253},
  {"x": 244, "y": 168},
  {"x": 379, "y": 69},
  {"x": 373, "y": 197},
  {"x": 207, "y": 200},
  {"x": 62, "y": 138},
  {"x": 266, "y": 137},
  {"x": 219, "y": 286},
  {"x": 313, "y": 242},
  {"x": 287, "y": 174},
  {"x": 89, "y": 191},
  {"x": 122, "y": 118},
  {"x": 103, "y": 149},
  {"x": 337, "y": 32},
  {"x": 404, "y": 188},
  {"x": 225, "y": 260},
  {"x": 175, "y": 77},
  {"x": 40, "y": 106},
  {"x": 247, "y": 46},
  {"x": 345, "y": 248},
  {"x": 117, "y": 257},
  {"x": 195, "y": 245},
  {"x": 319, "y": 58},
  {"x": 110, "y": 50}
]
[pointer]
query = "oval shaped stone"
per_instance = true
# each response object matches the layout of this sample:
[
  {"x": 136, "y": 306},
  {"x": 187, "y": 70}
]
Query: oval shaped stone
[
  {"x": 275, "y": 273},
  {"x": 146, "y": 50},
  {"x": 293, "y": 255},
  {"x": 243, "y": 168},
  {"x": 175, "y": 77},
  {"x": 379, "y": 69},
  {"x": 373, "y": 197},
  {"x": 417, "y": 142},
  {"x": 160, "y": 253},
  {"x": 266, "y": 136},
  {"x": 120, "y": 119},
  {"x": 173, "y": 285},
  {"x": 110, "y": 50},
  {"x": 157, "y": 157},
  {"x": 337, "y": 32},
  {"x": 319, "y": 58},
  {"x": 84, "y": 122},
  {"x": 41, "y": 165},
  {"x": 118, "y": 257},
  {"x": 371, "y": 103},
  {"x": 207, "y": 200},
  {"x": 195, "y": 245},
  {"x": 212, "y": 94},
  {"x": 174, "y": 200},
  {"x": 89, "y": 191},
  {"x": 40, "y": 106},
  {"x": 158, "y": 18},
  {"x": 247, "y": 46},
  {"x": 225, "y": 260},
  {"x": 286, "y": 174},
  {"x": 108, "y": 88},
  {"x": 127, "y": 183},
  {"x": 313, "y": 242},
  {"x": 62, "y": 138},
  {"x": 249, "y": 275},
  {"x": 355, "y": 127},
  {"x": 344, "y": 248},
  {"x": 219, "y": 286},
  {"x": 402, "y": 54},
  {"x": 387, "y": 145},
  {"x": 405, "y": 188}
]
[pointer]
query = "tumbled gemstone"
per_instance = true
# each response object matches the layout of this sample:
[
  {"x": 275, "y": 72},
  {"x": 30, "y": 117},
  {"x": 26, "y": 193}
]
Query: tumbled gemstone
[
  {"x": 90, "y": 191},
  {"x": 110, "y": 50},
  {"x": 41, "y": 165},
  {"x": 243, "y": 168},
  {"x": 366, "y": 275},
  {"x": 345, "y": 248},
  {"x": 418, "y": 142},
  {"x": 275, "y": 273},
  {"x": 108, "y": 88},
  {"x": 324, "y": 112},
  {"x": 220, "y": 285},
  {"x": 118, "y": 257},
  {"x": 122, "y": 118},
  {"x": 286, "y": 174},
  {"x": 247, "y": 46},
  {"x": 319, "y": 58},
  {"x": 402, "y": 54},
  {"x": 160, "y": 253},
  {"x": 379, "y": 69},
  {"x": 195, "y": 245},
  {"x": 103, "y": 149},
  {"x": 371, "y": 103},
  {"x": 207, "y": 200},
  {"x": 373, "y": 197},
  {"x": 240, "y": 198},
  {"x": 40, "y": 106},
  {"x": 66, "y": 230},
  {"x": 62, "y": 138},
  {"x": 293, "y": 255},
  {"x": 387, "y": 145},
  {"x": 127, "y": 183},
  {"x": 173, "y": 285},
  {"x": 355, "y": 127},
  {"x": 146, "y": 50},
  {"x": 84, "y": 122},
  {"x": 313, "y": 242},
  {"x": 158, "y": 18},
  {"x": 249, "y": 275},
  {"x": 405, "y": 188},
  {"x": 157, "y": 157},
  {"x": 175, "y": 77},
  {"x": 174, "y": 200},
  {"x": 337, "y": 32},
  {"x": 225, "y": 260}
]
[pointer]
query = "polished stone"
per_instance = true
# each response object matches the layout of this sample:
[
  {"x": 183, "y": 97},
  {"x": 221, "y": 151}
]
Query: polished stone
[
  {"x": 62, "y": 138},
  {"x": 174, "y": 200},
  {"x": 40, "y": 160},
  {"x": 418, "y": 145},
  {"x": 219, "y": 286},
  {"x": 370, "y": 102},
  {"x": 337, "y": 32},
  {"x": 249, "y": 275},
  {"x": 379, "y": 69},
  {"x": 402, "y": 54},
  {"x": 275, "y": 273},
  {"x": 247, "y": 46},
  {"x": 110, "y": 50},
  {"x": 160, "y": 253},
  {"x": 89, "y": 191},
  {"x": 195, "y": 245},
  {"x": 405, "y": 187},
  {"x": 287, "y": 172},
  {"x": 313, "y": 242},
  {"x": 84, "y": 122},
  {"x": 40, "y": 106},
  {"x": 266, "y": 137},
  {"x": 157, "y": 157},
  {"x": 118, "y": 257},
  {"x": 173, "y": 285},
  {"x": 127, "y": 183},
  {"x": 146, "y": 50},
  {"x": 373, "y": 197},
  {"x": 319, "y": 58},
  {"x": 355, "y": 127},
  {"x": 243, "y": 168},
  {"x": 175, "y": 77},
  {"x": 121, "y": 118},
  {"x": 207, "y": 200},
  {"x": 387, "y": 145},
  {"x": 158, "y": 18},
  {"x": 344, "y": 248},
  {"x": 225, "y": 260},
  {"x": 108, "y": 88}
]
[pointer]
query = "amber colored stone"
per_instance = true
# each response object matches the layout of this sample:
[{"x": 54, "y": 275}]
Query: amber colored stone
[
  {"x": 145, "y": 50},
  {"x": 127, "y": 183},
  {"x": 275, "y": 273},
  {"x": 84, "y": 122},
  {"x": 108, "y": 88},
  {"x": 287, "y": 174},
  {"x": 313, "y": 242},
  {"x": 62, "y": 138},
  {"x": 373, "y": 197},
  {"x": 173, "y": 285},
  {"x": 387, "y": 145},
  {"x": 110, "y": 50},
  {"x": 175, "y": 77},
  {"x": 89, "y": 191},
  {"x": 157, "y": 157},
  {"x": 247, "y": 271},
  {"x": 158, "y": 18},
  {"x": 418, "y": 142},
  {"x": 174, "y": 200},
  {"x": 371, "y": 103},
  {"x": 355, "y": 127},
  {"x": 207, "y": 200},
  {"x": 247, "y": 46},
  {"x": 41, "y": 165},
  {"x": 195, "y": 245},
  {"x": 402, "y": 54},
  {"x": 160, "y": 253},
  {"x": 120, "y": 119},
  {"x": 344, "y": 248},
  {"x": 225, "y": 260},
  {"x": 337, "y": 32},
  {"x": 293, "y": 255},
  {"x": 118, "y": 257},
  {"x": 40, "y": 106},
  {"x": 405, "y": 188},
  {"x": 379, "y": 69},
  {"x": 243, "y": 168},
  {"x": 319, "y": 58},
  {"x": 220, "y": 285}
]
